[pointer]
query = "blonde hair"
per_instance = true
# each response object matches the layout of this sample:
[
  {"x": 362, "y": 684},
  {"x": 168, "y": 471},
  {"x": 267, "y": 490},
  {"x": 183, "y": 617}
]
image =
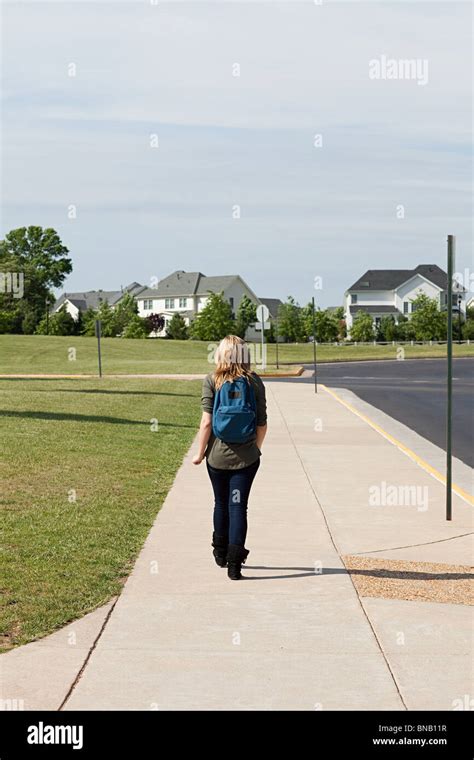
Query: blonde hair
[{"x": 232, "y": 360}]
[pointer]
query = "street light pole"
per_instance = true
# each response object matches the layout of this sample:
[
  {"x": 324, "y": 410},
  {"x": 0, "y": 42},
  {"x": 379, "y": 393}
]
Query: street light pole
[
  {"x": 459, "y": 318},
  {"x": 449, "y": 399}
]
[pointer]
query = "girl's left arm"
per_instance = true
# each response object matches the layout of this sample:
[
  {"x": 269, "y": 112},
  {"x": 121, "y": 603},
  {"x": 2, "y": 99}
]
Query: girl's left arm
[{"x": 205, "y": 430}]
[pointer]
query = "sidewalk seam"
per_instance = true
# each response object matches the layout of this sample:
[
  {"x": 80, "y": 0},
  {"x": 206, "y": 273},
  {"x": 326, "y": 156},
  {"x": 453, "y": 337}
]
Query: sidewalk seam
[
  {"x": 339, "y": 554},
  {"x": 88, "y": 656},
  {"x": 411, "y": 546}
]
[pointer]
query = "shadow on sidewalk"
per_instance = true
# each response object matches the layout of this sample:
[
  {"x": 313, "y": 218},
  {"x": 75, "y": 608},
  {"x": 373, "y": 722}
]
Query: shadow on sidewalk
[
  {"x": 406, "y": 575},
  {"x": 303, "y": 572}
]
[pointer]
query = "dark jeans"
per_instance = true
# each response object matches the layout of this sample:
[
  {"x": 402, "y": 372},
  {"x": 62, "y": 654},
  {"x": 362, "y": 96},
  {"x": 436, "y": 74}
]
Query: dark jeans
[{"x": 231, "y": 494}]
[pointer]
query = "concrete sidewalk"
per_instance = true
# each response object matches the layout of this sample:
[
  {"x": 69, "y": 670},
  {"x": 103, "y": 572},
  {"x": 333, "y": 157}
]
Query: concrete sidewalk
[{"x": 294, "y": 634}]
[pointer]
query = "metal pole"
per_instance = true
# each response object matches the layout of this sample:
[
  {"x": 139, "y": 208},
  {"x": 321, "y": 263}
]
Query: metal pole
[
  {"x": 459, "y": 319},
  {"x": 276, "y": 339},
  {"x": 449, "y": 401},
  {"x": 263, "y": 343},
  {"x": 98, "y": 328},
  {"x": 314, "y": 348}
]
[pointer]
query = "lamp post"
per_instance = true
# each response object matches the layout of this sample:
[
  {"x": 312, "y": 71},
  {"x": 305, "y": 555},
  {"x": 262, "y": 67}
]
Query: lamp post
[{"x": 459, "y": 318}]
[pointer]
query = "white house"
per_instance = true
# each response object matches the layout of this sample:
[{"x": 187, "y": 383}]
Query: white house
[
  {"x": 392, "y": 291},
  {"x": 76, "y": 303},
  {"x": 182, "y": 292},
  {"x": 187, "y": 293}
]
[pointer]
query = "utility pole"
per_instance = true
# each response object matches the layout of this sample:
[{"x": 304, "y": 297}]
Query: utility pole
[
  {"x": 314, "y": 348},
  {"x": 449, "y": 400}
]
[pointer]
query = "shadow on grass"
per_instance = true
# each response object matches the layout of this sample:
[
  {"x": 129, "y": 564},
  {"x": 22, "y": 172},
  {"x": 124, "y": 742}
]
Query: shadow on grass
[
  {"x": 89, "y": 390},
  {"x": 406, "y": 575},
  {"x": 120, "y": 393},
  {"x": 61, "y": 416}
]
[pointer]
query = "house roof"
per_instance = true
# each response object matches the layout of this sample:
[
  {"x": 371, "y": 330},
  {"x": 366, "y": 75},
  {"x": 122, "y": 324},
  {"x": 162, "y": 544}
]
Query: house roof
[
  {"x": 374, "y": 309},
  {"x": 90, "y": 299},
  {"x": 182, "y": 283},
  {"x": 215, "y": 284},
  {"x": 272, "y": 305},
  {"x": 389, "y": 279}
]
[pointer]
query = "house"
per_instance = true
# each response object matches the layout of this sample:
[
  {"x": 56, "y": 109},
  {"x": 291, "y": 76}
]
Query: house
[
  {"x": 76, "y": 303},
  {"x": 391, "y": 291},
  {"x": 187, "y": 293},
  {"x": 181, "y": 292}
]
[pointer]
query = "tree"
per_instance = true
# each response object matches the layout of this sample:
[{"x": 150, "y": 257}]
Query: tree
[
  {"x": 41, "y": 249},
  {"x": 177, "y": 329},
  {"x": 215, "y": 321},
  {"x": 468, "y": 329},
  {"x": 290, "y": 321},
  {"x": 246, "y": 315},
  {"x": 428, "y": 321},
  {"x": 405, "y": 329},
  {"x": 40, "y": 258},
  {"x": 136, "y": 327},
  {"x": 60, "y": 323},
  {"x": 387, "y": 328},
  {"x": 362, "y": 328},
  {"x": 124, "y": 314},
  {"x": 155, "y": 323},
  {"x": 106, "y": 315}
]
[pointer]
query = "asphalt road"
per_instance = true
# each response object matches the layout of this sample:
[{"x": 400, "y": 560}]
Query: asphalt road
[{"x": 413, "y": 392}]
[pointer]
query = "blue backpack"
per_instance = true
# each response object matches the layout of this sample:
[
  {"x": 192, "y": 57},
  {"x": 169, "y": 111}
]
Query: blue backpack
[{"x": 234, "y": 416}]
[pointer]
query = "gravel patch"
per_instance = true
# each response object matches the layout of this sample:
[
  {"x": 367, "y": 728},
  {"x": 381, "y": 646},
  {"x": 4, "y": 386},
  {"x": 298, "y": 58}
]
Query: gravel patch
[{"x": 412, "y": 581}]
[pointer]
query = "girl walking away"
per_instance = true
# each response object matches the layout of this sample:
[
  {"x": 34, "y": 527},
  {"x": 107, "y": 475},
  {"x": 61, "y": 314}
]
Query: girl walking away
[{"x": 233, "y": 426}]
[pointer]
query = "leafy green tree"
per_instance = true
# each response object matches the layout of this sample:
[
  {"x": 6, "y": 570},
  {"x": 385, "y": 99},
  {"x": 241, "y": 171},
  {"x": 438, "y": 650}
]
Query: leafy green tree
[
  {"x": 428, "y": 321},
  {"x": 468, "y": 329},
  {"x": 290, "y": 321},
  {"x": 41, "y": 249},
  {"x": 246, "y": 315},
  {"x": 60, "y": 323},
  {"x": 177, "y": 329},
  {"x": 363, "y": 327},
  {"x": 136, "y": 327},
  {"x": 88, "y": 322},
  {"x": 405, "y": 329},
  {"x": 106, "y": 315},
  {"x": 40, "y": 257},
  {"x": 215, "y": 321},
  {"x": 123, "y": 314},
  {"x": 387, "y": 329},
  {"x": 32, "y": 298}
]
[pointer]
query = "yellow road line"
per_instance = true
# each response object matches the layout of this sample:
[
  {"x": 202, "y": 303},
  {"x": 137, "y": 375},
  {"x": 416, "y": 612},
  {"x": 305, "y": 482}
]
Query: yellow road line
[{"x": 421, "y": 462}]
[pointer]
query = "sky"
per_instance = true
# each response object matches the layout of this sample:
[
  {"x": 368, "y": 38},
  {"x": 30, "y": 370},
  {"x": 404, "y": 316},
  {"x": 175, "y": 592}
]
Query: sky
[{"x": 239, "y": 138}]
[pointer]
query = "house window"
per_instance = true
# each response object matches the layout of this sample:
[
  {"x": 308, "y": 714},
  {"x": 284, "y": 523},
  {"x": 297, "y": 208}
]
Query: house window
[
  {"x": 169, "y": 303},
  {"x": 183, "y": 302},
  {"x": 231, "y": 301},
  {"x": 148, "y": 303},
  {"x": 353, "y": 297},
  {"x": 406, "y": 307}
]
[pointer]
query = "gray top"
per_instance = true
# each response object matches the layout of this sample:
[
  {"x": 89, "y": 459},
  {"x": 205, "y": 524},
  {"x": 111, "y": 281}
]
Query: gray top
[{"x": 233, "y": 456}]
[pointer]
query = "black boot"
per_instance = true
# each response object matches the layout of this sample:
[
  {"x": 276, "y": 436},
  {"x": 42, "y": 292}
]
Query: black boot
[
  {"x": 220, "y": 549},
  {"x": 236, "y": 556}
]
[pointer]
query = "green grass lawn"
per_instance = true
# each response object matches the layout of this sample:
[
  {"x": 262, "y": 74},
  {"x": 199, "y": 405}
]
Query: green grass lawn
[
  {"x": 62, "y": 558},
  {"x": 25, "y": 354}
]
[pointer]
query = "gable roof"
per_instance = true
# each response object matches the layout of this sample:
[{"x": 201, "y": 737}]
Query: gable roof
[
  {"x": 215, "y": 284},
  {"x": 389, "y": 279},
  {"x": 272, "y": 304},
  {"x": 89, "y": 299},
  {"x": 181, "y": 283}
]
